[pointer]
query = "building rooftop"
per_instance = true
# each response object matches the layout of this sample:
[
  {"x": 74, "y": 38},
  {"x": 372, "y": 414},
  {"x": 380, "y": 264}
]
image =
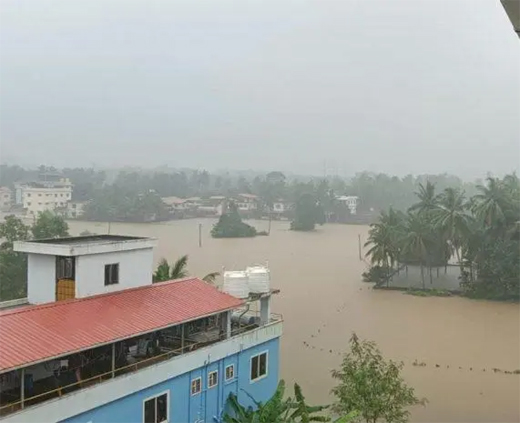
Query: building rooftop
[
  {"x": 82, "y": 245},
  {"x": 34, "y": 334}
]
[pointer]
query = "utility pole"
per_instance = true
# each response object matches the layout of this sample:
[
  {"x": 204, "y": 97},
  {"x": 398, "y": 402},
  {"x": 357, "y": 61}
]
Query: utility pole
[
  {"x": 359, "y": 247},
  {"x": 200, "y": 234}
]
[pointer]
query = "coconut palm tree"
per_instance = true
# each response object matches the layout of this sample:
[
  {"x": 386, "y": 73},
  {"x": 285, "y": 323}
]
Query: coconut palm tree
[
  {"x": 490, "y": 204},
  {"x": 178, "y": 270},
  {"x": 416, "y": 242},
  {"x": 451, "y": 219},
  {"x": 427, "y": 199}
]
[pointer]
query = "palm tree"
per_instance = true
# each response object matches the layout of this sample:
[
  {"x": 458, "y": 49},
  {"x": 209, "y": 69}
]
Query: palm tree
[
  {"x": 178, "y": 270},
  {"x": 451, "y": 218},
  {"x": 427, "y": 199},
  {"x": 490, "y": 204},
  {"x": 416, "y": 241}
]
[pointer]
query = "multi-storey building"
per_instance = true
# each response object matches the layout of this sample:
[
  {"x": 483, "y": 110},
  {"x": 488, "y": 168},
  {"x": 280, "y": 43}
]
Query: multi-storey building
[
  {"x": 41, "y": 196},
  {"x": 97, "y": 341}
]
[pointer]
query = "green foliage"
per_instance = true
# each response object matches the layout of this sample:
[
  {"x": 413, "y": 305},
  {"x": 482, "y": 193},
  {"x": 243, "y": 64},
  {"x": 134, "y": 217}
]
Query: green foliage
[
  {"x": 13, "y": 229},
  {"x": 482, "y": 233},
  {"x": 178, "y": 270},
  {"x": 279, "y": 410},
  {"x": 49, "y": 225},
  {"x": 307, "y": 213},
  {"x": 13, "y": 274},
  {"x": 371, "y": 385},
  {"x": 230, "y": 225}
]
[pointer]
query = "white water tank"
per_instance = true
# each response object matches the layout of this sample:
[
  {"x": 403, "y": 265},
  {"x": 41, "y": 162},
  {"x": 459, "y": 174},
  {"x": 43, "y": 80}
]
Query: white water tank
[
  {"x": 259, "y": 279},
  {"x": 236, "y": 284}
]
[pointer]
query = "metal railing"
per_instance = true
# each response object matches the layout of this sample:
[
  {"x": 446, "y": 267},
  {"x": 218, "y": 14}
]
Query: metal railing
[{"x": 22, "y": 403}]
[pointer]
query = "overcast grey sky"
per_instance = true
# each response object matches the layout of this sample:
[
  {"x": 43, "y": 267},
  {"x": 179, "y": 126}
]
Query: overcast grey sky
[{"x": 396, "y": 86}]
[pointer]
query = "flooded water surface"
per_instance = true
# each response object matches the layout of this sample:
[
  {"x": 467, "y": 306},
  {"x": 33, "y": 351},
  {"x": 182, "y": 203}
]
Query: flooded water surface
[{"x": 464, "y": 345}]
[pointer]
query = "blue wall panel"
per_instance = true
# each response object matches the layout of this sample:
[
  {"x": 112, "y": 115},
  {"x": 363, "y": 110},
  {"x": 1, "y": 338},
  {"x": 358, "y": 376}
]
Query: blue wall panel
[{"x": 202, "y": 407}]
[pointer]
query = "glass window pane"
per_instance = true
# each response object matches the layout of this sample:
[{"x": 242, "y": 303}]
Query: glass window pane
[
  {"x": 263, "y": 365},
  {"x": 254, "y": 367},
  {"x": 149, "y": 411},
  {"x": 162, "y": 408}
]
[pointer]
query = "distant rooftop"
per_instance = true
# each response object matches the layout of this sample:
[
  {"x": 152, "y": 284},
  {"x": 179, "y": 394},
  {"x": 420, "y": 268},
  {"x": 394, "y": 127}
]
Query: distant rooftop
[{"x": 82, "y": 245}]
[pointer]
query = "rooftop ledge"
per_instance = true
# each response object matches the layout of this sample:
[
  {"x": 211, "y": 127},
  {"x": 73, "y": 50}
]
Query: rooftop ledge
[
  {"x": 79, "y": 397},
  {"x": 84, "y": 245}
]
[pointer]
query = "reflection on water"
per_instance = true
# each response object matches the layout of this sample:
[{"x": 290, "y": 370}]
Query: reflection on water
[{"x": 455, "y": 343}]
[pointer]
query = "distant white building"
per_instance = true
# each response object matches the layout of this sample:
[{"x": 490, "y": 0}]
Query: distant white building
[
  {"x": 38, "y": 197},
  {"x": 350, "y": 201},
  {"x": 247, "y": 202},
  {"x": 75, "y": 209},
  {"x": 6, "y": 198}
]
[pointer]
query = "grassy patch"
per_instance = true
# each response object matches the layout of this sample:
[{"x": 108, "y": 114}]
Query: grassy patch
[{"x": 429, "y": 292}]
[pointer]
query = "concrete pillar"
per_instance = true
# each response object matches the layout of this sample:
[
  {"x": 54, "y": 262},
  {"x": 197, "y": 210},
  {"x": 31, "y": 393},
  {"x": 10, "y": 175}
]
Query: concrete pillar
[
  {"x": 265, "y": 309},
  {"x": 226, "y": 324}
]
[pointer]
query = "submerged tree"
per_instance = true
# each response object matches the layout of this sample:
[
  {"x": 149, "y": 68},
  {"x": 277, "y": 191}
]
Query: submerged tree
[
  {"x": 371, "y": 385},
  {"x": 230, "y": 225},
  {"x": 49, "y": 225},
  {"x": 307, "y": 213}
]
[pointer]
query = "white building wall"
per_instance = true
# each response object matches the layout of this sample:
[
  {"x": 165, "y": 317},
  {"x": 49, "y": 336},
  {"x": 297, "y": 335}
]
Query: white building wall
[
  {"x": 41, "y": 277},
  {"x": 36, "y": 199},
  {"x": 135, "y": 269}
]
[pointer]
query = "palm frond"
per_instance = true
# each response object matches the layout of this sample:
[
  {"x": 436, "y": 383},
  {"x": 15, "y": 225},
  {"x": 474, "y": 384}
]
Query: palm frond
[
  {"x": 179, "y": 270},
  {"x": 211, "y": 277}
]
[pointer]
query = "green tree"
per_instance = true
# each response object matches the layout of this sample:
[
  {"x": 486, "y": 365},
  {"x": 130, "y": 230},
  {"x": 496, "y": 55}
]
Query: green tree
[
  {"x": 13, "y": 229},
  {"x": 13, "y": 265},
  {"x": 49, "y": 225},
  {"x": 307, "y": 213},
  {"x": 230, "y": 225},
  {"x": 450, "y": 217},
  {"x": 371, "y": 385},
  {"x": 179, "y": 270}
]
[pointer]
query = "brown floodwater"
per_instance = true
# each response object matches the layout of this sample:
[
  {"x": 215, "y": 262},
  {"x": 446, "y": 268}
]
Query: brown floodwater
[{"x": 323, "y": 300}]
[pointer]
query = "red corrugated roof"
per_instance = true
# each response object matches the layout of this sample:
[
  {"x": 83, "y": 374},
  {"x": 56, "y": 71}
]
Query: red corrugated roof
[{"x": 40, "y": 332}]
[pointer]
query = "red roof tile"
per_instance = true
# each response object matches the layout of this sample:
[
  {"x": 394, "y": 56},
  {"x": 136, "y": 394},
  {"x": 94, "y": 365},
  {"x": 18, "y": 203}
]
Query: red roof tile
[{"x": 41, "y": 332}]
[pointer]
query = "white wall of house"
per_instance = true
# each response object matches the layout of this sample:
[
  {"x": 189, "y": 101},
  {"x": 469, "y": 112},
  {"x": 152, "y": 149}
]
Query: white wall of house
[
  {"x": 41, "y": 277},
  {"x": 135, "y": 269}
]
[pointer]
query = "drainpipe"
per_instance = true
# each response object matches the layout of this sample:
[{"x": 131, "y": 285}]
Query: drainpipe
[{"x": 182, "y": 338}]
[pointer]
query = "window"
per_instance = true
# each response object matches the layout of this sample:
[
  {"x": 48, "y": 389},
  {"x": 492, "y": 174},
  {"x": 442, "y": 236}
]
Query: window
[
  {"x": 111, "y": 274},
  {"x": 28, "y": 194},
  {"x": 39, "y": 195},
  {"x": 258, "y": 366},
  {"x": 55, "y": 195},
  {"x": 196, "y": 386},
  {"x": 230, "y": 372},
  {"x": 28, "y": 203},
  {"x": 156, "y": 409},
  {"x": 212, "y": 379}
]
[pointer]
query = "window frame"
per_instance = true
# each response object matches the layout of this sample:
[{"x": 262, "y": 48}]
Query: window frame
[
  {"x": 260, "y": 377},
  {"x": 199, "y": 379},
  {"x": 213, "y": 372},
  {"x": 226, "y": 378},
  {"x": 155, "y": 397},
  {"x": 105, "y": 275}
]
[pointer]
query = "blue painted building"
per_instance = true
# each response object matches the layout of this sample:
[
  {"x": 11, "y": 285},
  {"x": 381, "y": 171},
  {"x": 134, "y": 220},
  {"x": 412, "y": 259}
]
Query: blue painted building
[{"x": 152, "y": 353}]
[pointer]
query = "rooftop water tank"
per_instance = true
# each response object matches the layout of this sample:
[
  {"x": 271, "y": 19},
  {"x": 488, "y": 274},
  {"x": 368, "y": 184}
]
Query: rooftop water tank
[
  {"x": 259, "y": 279},
  {"x": 236, "y": 284}
]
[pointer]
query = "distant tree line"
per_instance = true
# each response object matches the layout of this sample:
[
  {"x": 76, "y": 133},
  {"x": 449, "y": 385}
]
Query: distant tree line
[{"x": 134, "y": 194}]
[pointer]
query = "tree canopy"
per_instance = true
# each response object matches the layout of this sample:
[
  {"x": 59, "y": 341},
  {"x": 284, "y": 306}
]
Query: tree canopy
[
  {"x": 49, "y": 225},
  {"x": 230, "y": 225},
  {"x": 372, "y": 386},
  {"x": 482, "y": 233}
]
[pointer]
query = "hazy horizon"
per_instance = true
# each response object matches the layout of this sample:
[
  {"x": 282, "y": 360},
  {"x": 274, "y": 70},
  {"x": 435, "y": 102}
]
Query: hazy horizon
[{"x": 394, "y": 86}]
